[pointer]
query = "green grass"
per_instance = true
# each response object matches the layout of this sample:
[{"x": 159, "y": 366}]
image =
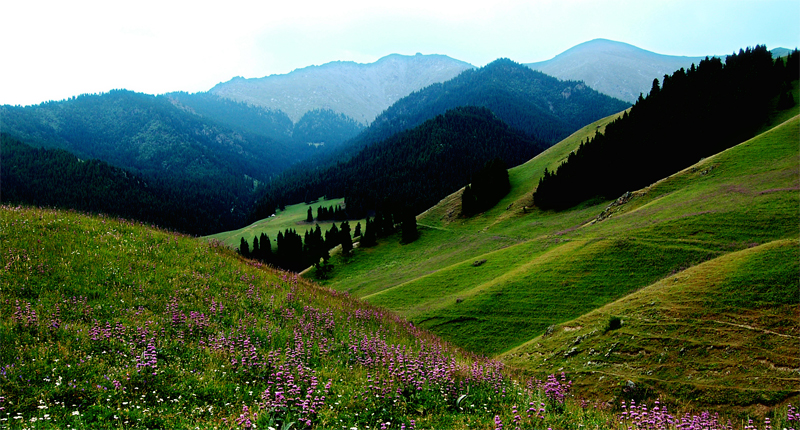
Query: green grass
[
  {"x": 83, "y": 300},
  {"x": 545, "y": 268},
  {"x": 722, "y": 333},
  {"x": 108, "y": 324}
]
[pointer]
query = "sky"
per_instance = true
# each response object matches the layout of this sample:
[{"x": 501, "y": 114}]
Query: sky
[{"x": 52, "y": 50}]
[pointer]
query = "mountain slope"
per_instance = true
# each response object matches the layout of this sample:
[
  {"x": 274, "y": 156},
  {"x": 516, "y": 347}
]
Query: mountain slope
[
  {"x": 543, "y": 108},
  {"x": 614, "y": 68},
  {"x": 146, "y": 134},
  {"x": 360, "y": 91},
  {"x": 415, "y": 168},
  {"x": 486, "y": 282},
  {"x": 723, "y": 333},
  {"x": 105, "y": 324}
]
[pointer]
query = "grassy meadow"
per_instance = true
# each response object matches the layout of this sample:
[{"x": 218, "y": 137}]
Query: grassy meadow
[
  {"x": 105, "y": 323},
  {"x": 109, "y": 324},
  {"x": 504, "y": 278}
]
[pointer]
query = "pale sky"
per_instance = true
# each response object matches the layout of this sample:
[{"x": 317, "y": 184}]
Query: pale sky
[{"x": 52, "y": 50}]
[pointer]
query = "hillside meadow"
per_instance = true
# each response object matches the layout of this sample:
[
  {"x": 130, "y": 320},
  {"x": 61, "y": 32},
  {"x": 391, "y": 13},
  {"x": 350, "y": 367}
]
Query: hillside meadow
[
  {"x": 105, "y": 323},
  {"x": 505, "y": 278}
]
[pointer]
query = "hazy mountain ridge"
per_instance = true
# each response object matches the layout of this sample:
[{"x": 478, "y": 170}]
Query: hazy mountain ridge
[
  {"x": 360, "y": 91},
  {"x": 614, "y": 68},
  {"x": 543, "y": 108},
  {"x": 146, "y": 134},
  {"x": 318, "y": 126}
]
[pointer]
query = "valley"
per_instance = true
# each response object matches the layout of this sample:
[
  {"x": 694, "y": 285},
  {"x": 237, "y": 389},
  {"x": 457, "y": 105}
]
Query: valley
[{"x": 636, "y": 257}]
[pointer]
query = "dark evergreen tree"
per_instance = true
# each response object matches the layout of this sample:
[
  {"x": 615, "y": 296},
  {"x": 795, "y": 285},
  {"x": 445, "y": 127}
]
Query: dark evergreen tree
[
  {"x": 345, "y": 239},
  {"x": 489, "y": 185},
  {"x": 370, "y": 236},
  {"x": 357, "y": 232},
  {"x": 468, "y": 202},
  {"x": 332, "y": 237},
  {"x": 265, "y": 247},
  {"x": 409, "y": 228},
  {"x": 310, "y": 217},
  {"x": 244, "y": 248},
  {"x": 255, "y": 252}
]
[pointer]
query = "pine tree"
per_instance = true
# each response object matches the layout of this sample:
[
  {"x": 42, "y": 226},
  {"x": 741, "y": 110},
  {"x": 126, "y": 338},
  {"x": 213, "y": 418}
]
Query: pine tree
[
  {"x": 357, "y": 231},
  {"x": 332, "y": 237},
  {"x": 368, "y": 239},
  {"x": 409, "y": 228},
  {"x": 255, "y": 252},
  {"x": 345, "y": 239},
  {"x": 265, "y": 247},
  {"x": 467, "y": 201},
  {"x": 244, "y": 248},
  {"x": 310, "y": 217}
]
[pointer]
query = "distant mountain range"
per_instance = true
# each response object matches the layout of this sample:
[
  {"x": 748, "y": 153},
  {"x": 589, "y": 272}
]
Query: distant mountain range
[
  {"x": 541, "y": 108},
  {"x": 614, "y": 68},
  {"x": 360, "y": 91}
]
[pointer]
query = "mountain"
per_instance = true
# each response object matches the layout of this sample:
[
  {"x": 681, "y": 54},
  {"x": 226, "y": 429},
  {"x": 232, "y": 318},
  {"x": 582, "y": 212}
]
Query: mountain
[
  {"x": 359, "y": 91},
  {"x": 780, "y": 52},
  {"x": 614, "y": 68},
  {"x": 415, "y": 168},
  {"x": 160, "y": 140},
  {"x": 147, "y": 134},
  {"x": 541, "y": 107},
  {"x": 320, "y": 127}
]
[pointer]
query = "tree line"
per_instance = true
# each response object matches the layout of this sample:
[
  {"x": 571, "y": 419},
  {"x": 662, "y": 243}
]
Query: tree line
[
  {"x": 412, "y": 170},
  {"x": 57, "y": 178},
  {"x": 690, "y": 115},
  {"x": 295, "y": 252}
]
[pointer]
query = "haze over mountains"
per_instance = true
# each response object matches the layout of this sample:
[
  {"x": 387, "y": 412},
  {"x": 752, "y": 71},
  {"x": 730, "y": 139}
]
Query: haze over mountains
[
  {"x": 219, "y": 143},
  {"x": 614, "y": 68},
  {"x": 360, "y": 91}
]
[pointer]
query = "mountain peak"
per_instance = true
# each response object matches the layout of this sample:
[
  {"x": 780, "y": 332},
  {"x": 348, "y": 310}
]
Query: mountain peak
[
  {"x": 359, "y": 91},
  {"x": 615, "y": 68}
]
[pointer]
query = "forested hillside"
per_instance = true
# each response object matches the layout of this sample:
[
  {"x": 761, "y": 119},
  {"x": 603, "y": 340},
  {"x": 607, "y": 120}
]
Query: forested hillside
[
  {"x": 694, "y": 113},
  {"x": 412, "y": 170},
  {"x": 57, "y": 178},
  {"x": 146, "y": 134},
  {"x": 260, "y": 121},
  {"x": 200, "y": 165},
  {"x": 319, "y": 126},
  {"x": 325, "y": 127},
  {"x": 541, "y": 108}
]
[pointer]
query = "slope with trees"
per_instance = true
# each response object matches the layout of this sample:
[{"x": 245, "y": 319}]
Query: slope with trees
[
  {"x": 694, "y": 113},
  {"x": 57, "y": 178},
  {"x": 413, "y": 169},
  {"x": 540, "y": 107}
]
